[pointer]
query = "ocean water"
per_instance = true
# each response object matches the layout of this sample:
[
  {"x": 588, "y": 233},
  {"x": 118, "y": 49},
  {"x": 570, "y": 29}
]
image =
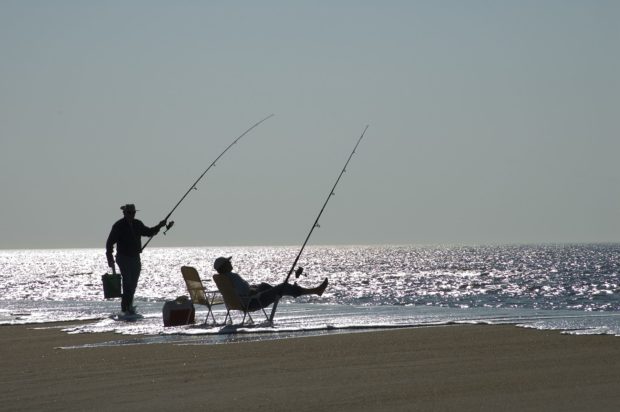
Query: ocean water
[{"x": 572, "y": 288}]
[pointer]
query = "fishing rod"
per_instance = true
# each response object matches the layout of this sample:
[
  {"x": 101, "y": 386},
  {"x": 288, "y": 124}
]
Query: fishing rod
[
  {"x": 299, "y": 270},
  {"x": 193, "y": 186}
]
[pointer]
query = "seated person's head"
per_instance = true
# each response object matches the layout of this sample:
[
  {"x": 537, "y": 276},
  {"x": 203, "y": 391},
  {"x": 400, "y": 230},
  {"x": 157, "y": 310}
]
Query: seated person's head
[{"x": 223, "y": 265}]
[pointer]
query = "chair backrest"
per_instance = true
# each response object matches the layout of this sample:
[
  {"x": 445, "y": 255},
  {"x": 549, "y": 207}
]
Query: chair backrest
[
  {"x": 226, "y": 288},
  {"x": 194, "y": 285}
]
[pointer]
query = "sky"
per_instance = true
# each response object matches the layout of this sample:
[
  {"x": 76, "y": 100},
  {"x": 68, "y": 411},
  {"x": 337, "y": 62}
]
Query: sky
[{"x": 489, "y": 121}]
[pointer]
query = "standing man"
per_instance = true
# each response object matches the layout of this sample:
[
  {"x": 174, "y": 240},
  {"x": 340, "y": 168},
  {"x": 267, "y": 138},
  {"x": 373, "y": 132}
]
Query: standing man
[{"x": 126, "y": 234}]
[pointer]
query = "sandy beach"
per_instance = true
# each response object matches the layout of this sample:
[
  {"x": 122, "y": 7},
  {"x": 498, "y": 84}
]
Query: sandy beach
[{"x": 441, "y": 368}]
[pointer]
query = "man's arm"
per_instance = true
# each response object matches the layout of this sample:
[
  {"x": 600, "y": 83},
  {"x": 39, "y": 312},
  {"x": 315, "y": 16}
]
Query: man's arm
[
  {"x": 109, "y": 245},
  {"x": 151, "y": 231}
]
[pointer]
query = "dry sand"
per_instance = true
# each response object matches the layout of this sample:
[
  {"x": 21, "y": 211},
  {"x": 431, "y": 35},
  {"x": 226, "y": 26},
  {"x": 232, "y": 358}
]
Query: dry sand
[{"x": 477, "y": 368}]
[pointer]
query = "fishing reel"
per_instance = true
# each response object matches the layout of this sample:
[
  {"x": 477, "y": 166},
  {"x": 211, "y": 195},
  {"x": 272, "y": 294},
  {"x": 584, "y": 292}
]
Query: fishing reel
[
  {"x": 299, "y": 271},
  {"x": 168, "y": 226}
]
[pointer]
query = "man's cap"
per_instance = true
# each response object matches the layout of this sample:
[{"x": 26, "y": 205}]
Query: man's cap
[
  {"x": 129, "y": 207},
  {"x": 221, "y": 261}
]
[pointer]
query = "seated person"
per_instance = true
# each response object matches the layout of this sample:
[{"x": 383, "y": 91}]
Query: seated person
[{"x": 268, "y": 293}]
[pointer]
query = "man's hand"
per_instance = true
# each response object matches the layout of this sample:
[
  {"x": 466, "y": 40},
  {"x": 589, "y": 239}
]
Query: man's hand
[
  {"x": 110, "y": 260},
  {"x": 163, "y": 223}
]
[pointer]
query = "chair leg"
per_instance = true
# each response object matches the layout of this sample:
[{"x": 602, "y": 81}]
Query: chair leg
[
  {"x": 228, "y": 317},
  {"x": 213, "y": 317},
  {"x": 248, "y": 315},
  {"x": 273, "y": 310},
  {"x": 260, "y": 304},
  {"x": 210, "y": 312},
  {"x": 210, "y": 306},
  {"x": 266, "y": 317}
]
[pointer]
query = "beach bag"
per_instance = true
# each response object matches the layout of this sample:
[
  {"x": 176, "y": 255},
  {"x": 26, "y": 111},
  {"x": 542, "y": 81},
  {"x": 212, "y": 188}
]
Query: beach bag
[
  {"x": 178, "y": 312},
  {"x": 111, "y": 285}
]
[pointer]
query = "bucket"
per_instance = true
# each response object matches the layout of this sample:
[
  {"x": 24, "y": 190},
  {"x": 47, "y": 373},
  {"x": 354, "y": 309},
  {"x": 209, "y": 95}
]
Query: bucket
[
  {"x": 178, "y": 312},
  {"x": 111, "y": 285}
]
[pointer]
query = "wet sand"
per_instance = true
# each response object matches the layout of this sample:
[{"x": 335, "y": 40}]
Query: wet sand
[{"x": 464, "y": 368}]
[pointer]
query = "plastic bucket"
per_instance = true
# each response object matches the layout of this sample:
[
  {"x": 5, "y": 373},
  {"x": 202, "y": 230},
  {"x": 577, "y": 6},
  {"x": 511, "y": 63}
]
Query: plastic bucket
[{"x": 111, "y": 285}]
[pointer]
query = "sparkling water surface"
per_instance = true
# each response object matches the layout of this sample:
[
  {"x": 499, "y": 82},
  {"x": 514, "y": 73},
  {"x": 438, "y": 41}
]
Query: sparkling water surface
[{"x": 573, "y": 288}]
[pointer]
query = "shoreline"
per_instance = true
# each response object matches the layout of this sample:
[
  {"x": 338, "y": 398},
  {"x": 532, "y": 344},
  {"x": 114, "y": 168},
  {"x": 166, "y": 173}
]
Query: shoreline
[{"x": 460, "y": 367}]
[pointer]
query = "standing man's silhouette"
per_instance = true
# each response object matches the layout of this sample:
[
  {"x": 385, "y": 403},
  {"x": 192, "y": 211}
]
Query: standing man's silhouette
[{"x": 126, "y": 234}]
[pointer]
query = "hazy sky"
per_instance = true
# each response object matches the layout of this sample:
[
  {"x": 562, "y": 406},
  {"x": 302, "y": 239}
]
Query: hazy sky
[{"x": 490, "y": 121}]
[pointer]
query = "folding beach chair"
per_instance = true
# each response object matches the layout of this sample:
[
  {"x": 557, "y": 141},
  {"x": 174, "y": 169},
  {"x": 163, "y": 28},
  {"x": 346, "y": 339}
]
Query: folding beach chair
[
  {"x": 198, "y": 293},
  {"x": 232, "y": 301}
]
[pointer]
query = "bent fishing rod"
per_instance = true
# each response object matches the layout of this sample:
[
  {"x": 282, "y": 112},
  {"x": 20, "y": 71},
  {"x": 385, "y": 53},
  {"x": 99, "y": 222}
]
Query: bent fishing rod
[
  {"x": 193, "y": 186},
  {"x": 299, "y": 271}
]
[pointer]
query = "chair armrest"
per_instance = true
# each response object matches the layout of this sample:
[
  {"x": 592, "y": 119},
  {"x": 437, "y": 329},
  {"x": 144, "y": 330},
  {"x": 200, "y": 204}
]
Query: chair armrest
[{"x": 212, "y": 297}]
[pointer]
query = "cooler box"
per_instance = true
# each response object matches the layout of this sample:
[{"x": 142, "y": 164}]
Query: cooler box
[
  {"x": 111, "y": 285},
  {"x": 179, "y": 312}
]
